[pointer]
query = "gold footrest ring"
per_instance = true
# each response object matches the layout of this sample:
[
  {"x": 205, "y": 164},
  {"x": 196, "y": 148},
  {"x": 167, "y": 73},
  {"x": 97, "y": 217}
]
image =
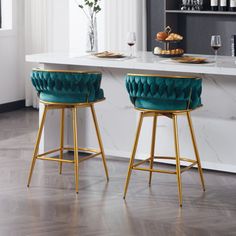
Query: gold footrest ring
[
  {"x": 135, "y": 166},
  {"x": 43, "y": 156}
]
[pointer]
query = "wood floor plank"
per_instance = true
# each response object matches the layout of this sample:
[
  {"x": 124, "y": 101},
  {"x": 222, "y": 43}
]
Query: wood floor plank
[{"x": 51, "y": 207}]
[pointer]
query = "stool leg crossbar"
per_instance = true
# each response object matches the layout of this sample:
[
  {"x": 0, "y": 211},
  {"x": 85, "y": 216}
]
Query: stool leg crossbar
[
  {"x": 91, "y": 152},
  {"x": 152, "y": 157}
]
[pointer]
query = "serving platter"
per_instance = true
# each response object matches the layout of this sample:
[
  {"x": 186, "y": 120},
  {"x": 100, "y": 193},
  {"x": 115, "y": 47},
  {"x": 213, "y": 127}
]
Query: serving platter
[
  {"x": 191, "y": 60},
  {"x": 107, "y": 54}
]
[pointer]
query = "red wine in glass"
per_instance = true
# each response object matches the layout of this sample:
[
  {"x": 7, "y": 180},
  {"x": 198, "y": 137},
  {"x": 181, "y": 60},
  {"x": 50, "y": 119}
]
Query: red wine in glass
[
  {"x": 215, "y": 48},
  {"x": 131, "y": 44}
]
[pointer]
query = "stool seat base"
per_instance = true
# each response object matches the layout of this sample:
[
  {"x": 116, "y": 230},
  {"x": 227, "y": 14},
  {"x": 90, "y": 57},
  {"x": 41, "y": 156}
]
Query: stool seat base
[
  {"x": 71, "y": 98},
  {"x": 54, "y": 105}
]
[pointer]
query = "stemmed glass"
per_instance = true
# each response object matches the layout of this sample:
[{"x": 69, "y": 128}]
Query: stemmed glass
[
  {"x": 131, "y": 40},
  {"x": 216, "y": 44},
  {"x": 189, "y": 5},
  {"x": 184, "y": 5}
]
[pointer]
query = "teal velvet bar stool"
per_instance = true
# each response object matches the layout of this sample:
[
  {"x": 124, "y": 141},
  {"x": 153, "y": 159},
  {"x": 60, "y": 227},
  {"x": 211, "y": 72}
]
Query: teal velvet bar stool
[
  {"x": 62, "y": 90},
  {"x": 169, "y": 96}
]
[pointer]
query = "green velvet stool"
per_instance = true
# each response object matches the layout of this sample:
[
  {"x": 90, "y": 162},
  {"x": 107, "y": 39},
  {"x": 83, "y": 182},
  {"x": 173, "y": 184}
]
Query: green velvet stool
[
  {"x": 68, "y": 90},
  {"x": 168, "y": 96}
]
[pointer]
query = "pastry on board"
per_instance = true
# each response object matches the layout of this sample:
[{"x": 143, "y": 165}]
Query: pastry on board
[
  {"x": 160, "y": 51},
  {"x": 173, "y": 37},
  {"x": 107, "y": 54},
  {"x": 164, "y": 36},
  {"x": 190, "y": 59},
  {"x": 161, "y": 36},
  {"x": 157, "y": 50}
]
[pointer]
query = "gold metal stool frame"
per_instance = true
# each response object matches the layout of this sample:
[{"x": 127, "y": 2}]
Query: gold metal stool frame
[
  {"x": 76, "y": 149},
  {"x": 173, "y": 115}
]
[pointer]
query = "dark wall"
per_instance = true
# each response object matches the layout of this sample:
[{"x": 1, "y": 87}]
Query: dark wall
[
  {"x": 155, "y": 21},
  {"x": 196, "y": 28}
]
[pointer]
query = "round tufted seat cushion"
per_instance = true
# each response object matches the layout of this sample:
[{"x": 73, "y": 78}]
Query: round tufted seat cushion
[
  {"x": 67, "y": 86},
  {"x": 155, "y": 92}
]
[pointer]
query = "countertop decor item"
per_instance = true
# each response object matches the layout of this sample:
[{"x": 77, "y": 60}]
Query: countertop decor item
[
  {"x": 168, "y": 38},
  {"x": 91, "y": 9},
  {"x": 107, "y": 54},
  {"x": 131, "y": 40},
  {"x": 216, "y": 44},
  {"x": 190, "y": 59}
]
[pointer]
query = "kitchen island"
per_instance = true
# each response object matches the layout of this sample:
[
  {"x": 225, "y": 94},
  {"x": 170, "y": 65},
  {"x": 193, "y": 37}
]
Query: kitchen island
[{"x": 215, "y": 122}]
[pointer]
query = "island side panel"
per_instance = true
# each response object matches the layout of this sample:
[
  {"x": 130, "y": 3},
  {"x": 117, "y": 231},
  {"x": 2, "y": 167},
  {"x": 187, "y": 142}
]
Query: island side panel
[{"x": 215, "y": 123}]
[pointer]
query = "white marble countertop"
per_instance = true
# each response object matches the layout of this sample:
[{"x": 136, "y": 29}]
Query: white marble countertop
[{"x": 143, "y": 61}]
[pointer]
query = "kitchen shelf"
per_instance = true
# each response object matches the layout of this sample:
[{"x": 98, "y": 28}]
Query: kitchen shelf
[
  {"x": 196, "y": 27},
  {"x": 225, "y": 13}
]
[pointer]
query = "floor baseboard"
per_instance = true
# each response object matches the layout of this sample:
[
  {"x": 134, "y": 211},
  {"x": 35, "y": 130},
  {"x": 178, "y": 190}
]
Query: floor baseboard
[{"x": 11, "y": 106}]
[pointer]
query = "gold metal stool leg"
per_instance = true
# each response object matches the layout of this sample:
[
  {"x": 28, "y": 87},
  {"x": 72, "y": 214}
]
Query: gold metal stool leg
[
  {"x": 99, "y": 140},
  {"x": 133, "y": 153},
  {"x": 152, "y": 154},
  {"x": 76, "y": 155},
  {"x": 177, "y": 153},
  {"x": 61, "y": 138},
  {"x": 36, "y": 147},
  {"x": 196, "y": 150}
]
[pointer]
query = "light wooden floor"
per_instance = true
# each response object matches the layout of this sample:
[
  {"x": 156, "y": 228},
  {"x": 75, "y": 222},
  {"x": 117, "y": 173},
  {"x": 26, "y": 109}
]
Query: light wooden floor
[{"x": 51, "y": 207}]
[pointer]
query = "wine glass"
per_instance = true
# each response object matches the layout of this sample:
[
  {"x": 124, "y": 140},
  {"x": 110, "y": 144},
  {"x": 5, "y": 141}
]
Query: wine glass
[
  {"x": 199, "y": 5},
  {"x": 131, "y": 40},
  {"x": 216, "y": 44},
  {"x": 189, "y": 5},
  {"x": 184, "y": 5}
]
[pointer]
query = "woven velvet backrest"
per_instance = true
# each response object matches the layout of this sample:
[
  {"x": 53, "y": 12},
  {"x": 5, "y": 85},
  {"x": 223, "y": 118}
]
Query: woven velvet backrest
[
  {"x": 67, "y": 86},
  {"x": 164, "y": 93}
]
